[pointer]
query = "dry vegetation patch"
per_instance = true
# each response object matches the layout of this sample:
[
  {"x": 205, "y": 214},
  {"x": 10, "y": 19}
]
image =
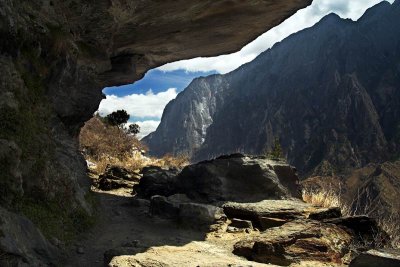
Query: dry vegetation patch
[
  {"x": 331, "y": 195},
  {"x": 103, "y": 144}
]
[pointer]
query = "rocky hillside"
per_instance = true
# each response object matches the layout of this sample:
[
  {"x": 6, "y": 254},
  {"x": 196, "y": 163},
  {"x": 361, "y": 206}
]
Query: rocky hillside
[
  {"x": 55, "y": 59},
  {"x": 330, "y": 93},
  {"x": 238, "y": 210},
  {"x": 186, "y": 119},
  {"x": 372, "y": 190}
]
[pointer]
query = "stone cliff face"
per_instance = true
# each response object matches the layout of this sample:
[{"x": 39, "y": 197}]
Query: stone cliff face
[
  {"x": 330, "y": 93},
  {"x": 55, "y": 58},
  {"x": 185, "y": 120}
]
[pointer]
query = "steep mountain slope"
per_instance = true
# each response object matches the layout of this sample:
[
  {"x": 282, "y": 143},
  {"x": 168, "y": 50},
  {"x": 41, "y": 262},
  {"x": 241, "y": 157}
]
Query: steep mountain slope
[
  {"x": 184, "y": 122},
  {"x": 331, "y": 93}
]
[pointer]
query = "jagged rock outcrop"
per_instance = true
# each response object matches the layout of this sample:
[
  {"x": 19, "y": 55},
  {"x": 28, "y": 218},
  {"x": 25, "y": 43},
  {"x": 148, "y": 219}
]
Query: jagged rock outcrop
[
  {"x": 297, "y": 241},
  {"x": 238, "y": 178},
  {"x": 21, "y": 244},
  {"x": 234, "y": 177},
  {"x": 330, "y": 93},
  {"x": 269, "y": 226},
  {"x": 185, "y": 119},
  {"x": 56, "y": 56}
]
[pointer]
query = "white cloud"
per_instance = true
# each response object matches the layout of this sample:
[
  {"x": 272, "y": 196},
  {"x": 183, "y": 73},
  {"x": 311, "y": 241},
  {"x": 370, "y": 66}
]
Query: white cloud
[
  {"x": 147, "y": 105},
  {"x": 302, "y": 19},
  {"x": 146, "y": 127}
]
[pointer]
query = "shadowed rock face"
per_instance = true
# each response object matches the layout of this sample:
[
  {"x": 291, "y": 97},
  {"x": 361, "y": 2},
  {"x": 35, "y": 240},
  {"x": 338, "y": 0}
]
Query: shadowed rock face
[
  {"x": 235, "y": 177},
  {"x": 68, "y": 51},
  {"x": 56, "y": 56},
  {"x": 330, "y": 93},
  {"x": 101, "y": 43}
]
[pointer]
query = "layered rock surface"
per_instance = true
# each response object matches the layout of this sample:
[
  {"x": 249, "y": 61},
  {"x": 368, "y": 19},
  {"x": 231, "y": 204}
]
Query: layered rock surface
[{"x": 267, "y": 228}]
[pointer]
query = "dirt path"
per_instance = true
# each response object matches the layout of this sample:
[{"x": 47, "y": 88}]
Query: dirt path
[{"x": 122, "y": 222}]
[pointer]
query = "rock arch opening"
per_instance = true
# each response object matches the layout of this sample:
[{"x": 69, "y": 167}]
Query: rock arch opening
[{"x": 56, "y": 56}]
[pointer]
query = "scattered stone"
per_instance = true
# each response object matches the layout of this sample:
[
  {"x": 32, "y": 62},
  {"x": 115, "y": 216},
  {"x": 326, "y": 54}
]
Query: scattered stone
[
  {"x": 157, "y": 181},
  {"x": 115, "y": 177},
  {"x": 241, "y": 223},
  {"x": 238, "y": 178},
  {"x": 377, "y": 258}
]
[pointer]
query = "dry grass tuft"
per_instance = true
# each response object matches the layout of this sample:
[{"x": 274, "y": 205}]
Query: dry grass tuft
[
  {"x": 326, "y": 198},
  {"x": 330, "y": 197},
  {"x": 168, "y": 160}
]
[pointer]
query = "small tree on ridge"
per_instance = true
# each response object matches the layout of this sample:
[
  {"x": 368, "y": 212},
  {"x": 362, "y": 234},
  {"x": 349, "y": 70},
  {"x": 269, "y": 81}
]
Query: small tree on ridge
[{"x": 117, "y": 118}]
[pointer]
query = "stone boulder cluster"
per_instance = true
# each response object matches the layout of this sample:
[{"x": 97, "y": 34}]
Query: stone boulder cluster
[
  {"x": 115, "y": 177},
  {"x": 251, "y": 206}
]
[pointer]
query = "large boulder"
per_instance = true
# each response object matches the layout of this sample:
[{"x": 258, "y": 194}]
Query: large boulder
[
  {"x": 157, "y": 181},
  {"x": 296, "y": 241},
  {"x": 272, "y": 213},
  {"x": 238, "y": 178},
  {"x": 22, "y": 244}
]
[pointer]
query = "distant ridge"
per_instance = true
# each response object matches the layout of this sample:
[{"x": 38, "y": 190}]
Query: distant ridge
[{"x": 330, "y": 93}]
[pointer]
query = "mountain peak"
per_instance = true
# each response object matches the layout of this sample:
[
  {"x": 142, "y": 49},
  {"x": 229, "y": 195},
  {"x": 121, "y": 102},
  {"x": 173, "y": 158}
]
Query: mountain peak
[
  {"x": 330, "y": 18},
  {"x": 378, "y": 10}
]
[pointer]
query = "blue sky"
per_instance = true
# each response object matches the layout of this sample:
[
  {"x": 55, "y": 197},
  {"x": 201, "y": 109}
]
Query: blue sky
[
  {"x": 145, "y": 100},
  {"x": 158, "y": 80}
]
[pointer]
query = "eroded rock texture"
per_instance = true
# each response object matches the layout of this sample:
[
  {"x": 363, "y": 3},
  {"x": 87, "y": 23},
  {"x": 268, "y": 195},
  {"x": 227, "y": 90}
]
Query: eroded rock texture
[
  {"x": 56, "y": 56},
  {"x": 233, "y": 177}
]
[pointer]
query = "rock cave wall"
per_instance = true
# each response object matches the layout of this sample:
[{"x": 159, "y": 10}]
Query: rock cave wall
[{"x": 55, "y": 59}]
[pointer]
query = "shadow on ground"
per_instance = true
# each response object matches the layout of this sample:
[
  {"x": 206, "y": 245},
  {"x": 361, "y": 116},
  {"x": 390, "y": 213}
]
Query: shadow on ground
[{"x": 125, "y": 228}]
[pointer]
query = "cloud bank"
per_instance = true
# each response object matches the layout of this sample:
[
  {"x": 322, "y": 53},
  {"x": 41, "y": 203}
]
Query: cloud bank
[
  {"x": 146, "y": 127},
  {"x": 147, "y": 105}
]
